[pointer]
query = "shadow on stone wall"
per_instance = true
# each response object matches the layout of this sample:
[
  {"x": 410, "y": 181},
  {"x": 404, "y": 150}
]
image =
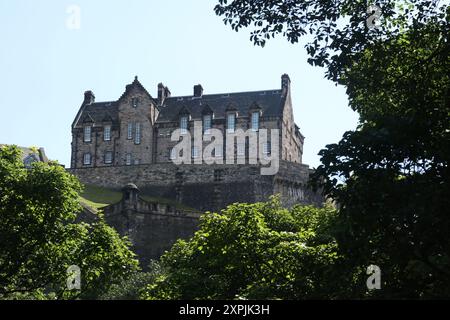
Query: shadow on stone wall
[{"x": 152, "y": 227}]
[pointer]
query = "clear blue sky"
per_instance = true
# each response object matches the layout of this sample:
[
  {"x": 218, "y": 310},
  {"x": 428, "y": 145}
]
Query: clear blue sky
[{"x": 45, "y": 67}]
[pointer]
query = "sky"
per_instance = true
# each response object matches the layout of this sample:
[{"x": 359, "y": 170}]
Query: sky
[{"x": 48, "y": 60}]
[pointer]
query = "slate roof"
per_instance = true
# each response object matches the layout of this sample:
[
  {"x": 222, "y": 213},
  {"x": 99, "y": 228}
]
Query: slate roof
[
  {"x": 270, "y": 102},
  {"x": 38, "y": 154},
  {"x": 100, "y": 112}
]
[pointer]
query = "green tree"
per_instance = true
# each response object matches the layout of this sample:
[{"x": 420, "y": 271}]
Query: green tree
[
  {"x": 338, "y": 29},
  {"x": 252, "y": 251},
  {"x": 390, "y": 176},
  {"x": 39, "y": 239},
  {"x": 133, "y": 286}
]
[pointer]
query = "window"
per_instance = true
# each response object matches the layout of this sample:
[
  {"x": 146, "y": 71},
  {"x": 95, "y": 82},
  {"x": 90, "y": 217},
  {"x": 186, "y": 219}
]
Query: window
[
  {"x": 217, "y": 152},
  {"x": 194, "y": 152},
  {"x": 87, "y": 134},
  {"x": 184, "y": 124},
  {"x": 207, "y": 123},
  {"x": 173, "y": 154},
  {"x": 137, "y": 138},
  {"x": 241, "y": 149},
  {"x": 107, "y": 133},
  {"x": 255, "y": 121},
  {"x": 87, "y": 159},
  {"x": 28, "y": 162},
  {"x": 135, "y": 102},
  {"x": 130, "y": 131},
  {"x": 231, "y": 121},
  {"x": 266, "y": 149},
  {"x": 108, "y": 157},
  {"x": 128, "y": 159}
]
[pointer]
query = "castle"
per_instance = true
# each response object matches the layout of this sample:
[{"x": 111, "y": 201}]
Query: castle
[
  {"x": 129, "y": 142},
  {"x": 136, "y": 129}
]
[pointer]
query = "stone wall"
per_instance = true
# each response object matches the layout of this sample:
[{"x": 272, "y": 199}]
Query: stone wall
[
  {"x": 152, "y": 227},
  {"x": 207, "y": 187}
]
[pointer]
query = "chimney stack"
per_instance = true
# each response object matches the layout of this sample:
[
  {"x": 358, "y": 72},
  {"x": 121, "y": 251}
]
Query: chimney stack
[
  {"x": 198, "y": 91},
  {"x": 285, "y": 83},
  {"x": 163, "y": 93},
  {"x": 88, "y": 97}
]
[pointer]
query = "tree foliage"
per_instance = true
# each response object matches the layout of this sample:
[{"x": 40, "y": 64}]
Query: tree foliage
[
  {"x": 39, "y": 238},
  {"x": 252, "y": 251},
  {"x": 131, "y": 287},
  {"x": 338, "y": 29},
  {"x": 390, "y": 176}
]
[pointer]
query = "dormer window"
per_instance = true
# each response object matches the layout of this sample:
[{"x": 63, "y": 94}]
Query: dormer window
[
  {"x": 107, "y": 133},
  {"x": 87, "y": 134},
  {"x": 184, "y": 124},
  {"x": 135, "y": 102},
  {"x": 231, "y": 122},
  {"x": 255, "y": 121},
  {"x": 29, "y": 161},
  {"x": 207, "y": 120}
]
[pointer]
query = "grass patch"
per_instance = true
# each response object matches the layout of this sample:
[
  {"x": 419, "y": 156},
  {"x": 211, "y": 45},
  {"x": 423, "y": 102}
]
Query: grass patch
[{"x": 98, "y": 197}]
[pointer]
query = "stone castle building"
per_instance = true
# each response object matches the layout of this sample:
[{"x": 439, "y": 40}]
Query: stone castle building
[
  {"x": 136, "y": 129},
  {"x": 128, "y": 143}
]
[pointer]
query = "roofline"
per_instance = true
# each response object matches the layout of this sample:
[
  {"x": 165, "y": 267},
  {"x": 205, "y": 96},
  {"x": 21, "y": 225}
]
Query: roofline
[
  {"x": 224, "y": 93},
  {"x": 113, "y": 101}
]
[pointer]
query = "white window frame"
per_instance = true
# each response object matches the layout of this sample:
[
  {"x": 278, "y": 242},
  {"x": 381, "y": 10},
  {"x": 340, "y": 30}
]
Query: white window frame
[
  {"x": 255, "y": 121},
  {"x": 108, "y": 157},
  {"x": 184, "y": 124},
  {"x": 218, "y": 152},
  {"x": 130, "y": 131},
  {"x": 173, "y": 154},
  {"x": 207, "y": 123},
  {"x": 231, "y": 122},
  {"x": 194, "y": 152},
  {"x": 266, "y": 149},
  {"x": 137, "y": 134},
  {"x": 87, "y": 159},
  {"x": 87, "y": 134},
  {"x": 107, "y": 133},
  {"x": 128, "y": 159}
]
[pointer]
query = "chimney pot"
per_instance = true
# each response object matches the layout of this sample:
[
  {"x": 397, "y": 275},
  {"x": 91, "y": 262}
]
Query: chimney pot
[
  {"x": 198, "y": 91},
  {"x": 163, "y": 93},
  {"x": 89, "y": 97},
  {"x": 285, "y": 83}
]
